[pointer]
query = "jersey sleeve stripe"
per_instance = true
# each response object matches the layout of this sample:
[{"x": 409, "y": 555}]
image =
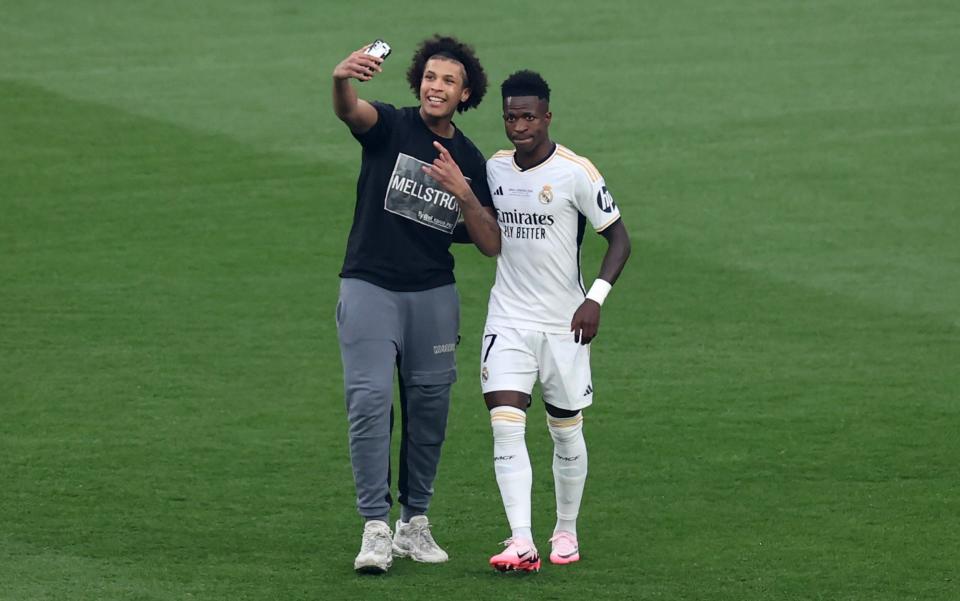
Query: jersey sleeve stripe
[
  {"x": 587, "y": 165},
  {"x": 582, "y": 160},
  {"x": 585, "y": 161},
  {"x": 591, "y": 173}
]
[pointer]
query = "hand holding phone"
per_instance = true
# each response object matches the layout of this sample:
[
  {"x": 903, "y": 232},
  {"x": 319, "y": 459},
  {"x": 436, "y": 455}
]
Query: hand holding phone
[
  {"x": 364, "y": 63},
  {"x": 379, "y": 49}
]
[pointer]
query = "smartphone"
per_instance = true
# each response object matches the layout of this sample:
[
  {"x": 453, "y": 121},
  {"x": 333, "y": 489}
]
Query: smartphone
[{"x": 380, "y": 49}]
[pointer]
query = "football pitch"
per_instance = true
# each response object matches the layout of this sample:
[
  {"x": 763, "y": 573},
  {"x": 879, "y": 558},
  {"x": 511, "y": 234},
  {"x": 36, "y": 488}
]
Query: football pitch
[{"x": 777, "y": 375}]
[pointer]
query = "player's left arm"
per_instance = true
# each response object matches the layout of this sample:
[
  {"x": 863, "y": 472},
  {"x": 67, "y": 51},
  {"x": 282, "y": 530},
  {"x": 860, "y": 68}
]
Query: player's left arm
[
  {"x": 481, "y": 222},
  {"x": 586, "y": 319}
]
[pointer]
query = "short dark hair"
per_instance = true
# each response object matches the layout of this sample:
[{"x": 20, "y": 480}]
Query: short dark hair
[
  {"x": 525, "y": 83},
  {"x": 450, "y": 48}
]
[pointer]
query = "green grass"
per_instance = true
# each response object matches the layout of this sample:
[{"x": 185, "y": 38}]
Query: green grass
[{"x": 778, "y": 396}]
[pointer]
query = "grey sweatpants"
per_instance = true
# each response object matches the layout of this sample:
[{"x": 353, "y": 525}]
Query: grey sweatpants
[{"x": 415, "y": 333}]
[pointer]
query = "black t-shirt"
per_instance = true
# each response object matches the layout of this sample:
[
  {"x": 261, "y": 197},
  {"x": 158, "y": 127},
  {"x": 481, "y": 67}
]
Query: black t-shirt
[{"x": 403, "y": 221}]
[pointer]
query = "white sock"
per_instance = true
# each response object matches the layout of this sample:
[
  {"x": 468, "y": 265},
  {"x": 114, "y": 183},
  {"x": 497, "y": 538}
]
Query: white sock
[
  {"x": 511, "y": 463},
  {"x": 569, "y": 468}
]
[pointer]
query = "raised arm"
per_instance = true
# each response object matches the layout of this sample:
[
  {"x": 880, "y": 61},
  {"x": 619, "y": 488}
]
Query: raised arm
[
  {"x": 481, "y": 221},
  {"x": 358, "y": 114},
  {"x": 586, "y": 320}
]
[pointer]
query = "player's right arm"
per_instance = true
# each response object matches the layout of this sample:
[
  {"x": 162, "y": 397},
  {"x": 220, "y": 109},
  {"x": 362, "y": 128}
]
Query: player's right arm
[{"x": 358, "y": 114}]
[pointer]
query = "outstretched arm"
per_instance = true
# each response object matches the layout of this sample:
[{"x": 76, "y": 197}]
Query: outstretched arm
[
  {"x": 358, "y": 114},
  {"x": 481, "y": 221},
  {"x": 586, "y": 319}
]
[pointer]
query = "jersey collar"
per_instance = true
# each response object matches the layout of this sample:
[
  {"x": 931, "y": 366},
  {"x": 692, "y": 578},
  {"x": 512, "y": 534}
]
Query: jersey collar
[{"x": 546, "y": 160}]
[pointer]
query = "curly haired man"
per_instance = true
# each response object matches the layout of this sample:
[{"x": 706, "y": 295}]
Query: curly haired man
[{"x": 398, "y": 307}]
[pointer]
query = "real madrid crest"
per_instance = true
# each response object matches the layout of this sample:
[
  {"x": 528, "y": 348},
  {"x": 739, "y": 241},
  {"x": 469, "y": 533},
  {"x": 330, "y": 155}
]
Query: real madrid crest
[
  {"x": 484, "y": 374},
  {"x": 546, "y": 195}
]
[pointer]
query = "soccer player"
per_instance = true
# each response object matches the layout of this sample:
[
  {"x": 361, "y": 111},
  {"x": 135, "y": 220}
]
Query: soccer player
[
  {"x": 398, "y": 308},
  {"x": 540, "y": 318}
]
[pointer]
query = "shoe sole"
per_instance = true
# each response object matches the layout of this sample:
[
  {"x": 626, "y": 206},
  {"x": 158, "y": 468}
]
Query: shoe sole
[
  {"x": 562, "y": 561},
  {"x": 509, "y": 567},
  {"x": 372, "y": 568}
]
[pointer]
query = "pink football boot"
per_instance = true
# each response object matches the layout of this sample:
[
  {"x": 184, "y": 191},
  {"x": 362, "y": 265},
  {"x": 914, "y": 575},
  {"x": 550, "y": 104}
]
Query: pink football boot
[
  {"x": 565, "y": 548},
  {"x": 520, "y": 554}
]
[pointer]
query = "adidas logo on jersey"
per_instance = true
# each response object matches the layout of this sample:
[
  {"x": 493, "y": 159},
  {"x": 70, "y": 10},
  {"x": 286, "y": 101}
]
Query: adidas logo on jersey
[
  {"x": 589, "y": 390},
  {"x": 498, "y": 191}
]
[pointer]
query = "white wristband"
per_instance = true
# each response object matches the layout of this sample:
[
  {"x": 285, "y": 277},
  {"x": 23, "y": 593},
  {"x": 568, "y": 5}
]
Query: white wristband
[{"x": 599, "y": 291}]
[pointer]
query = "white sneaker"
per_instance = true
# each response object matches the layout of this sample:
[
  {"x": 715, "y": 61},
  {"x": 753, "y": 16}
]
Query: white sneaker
[
  {"x": 415, "y": 541},
  {"x": 374, "y": 556}
]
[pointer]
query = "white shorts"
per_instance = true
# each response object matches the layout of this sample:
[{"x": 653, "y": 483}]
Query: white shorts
[{"x": 512, "y": 359}]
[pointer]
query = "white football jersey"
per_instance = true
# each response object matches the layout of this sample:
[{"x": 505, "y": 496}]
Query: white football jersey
[{"x": 542, "y": 213}]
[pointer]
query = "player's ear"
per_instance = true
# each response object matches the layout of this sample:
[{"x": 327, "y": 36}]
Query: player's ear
[
  {"x": 464, "y": 94},
  {"x": 547, "y": 117}
]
